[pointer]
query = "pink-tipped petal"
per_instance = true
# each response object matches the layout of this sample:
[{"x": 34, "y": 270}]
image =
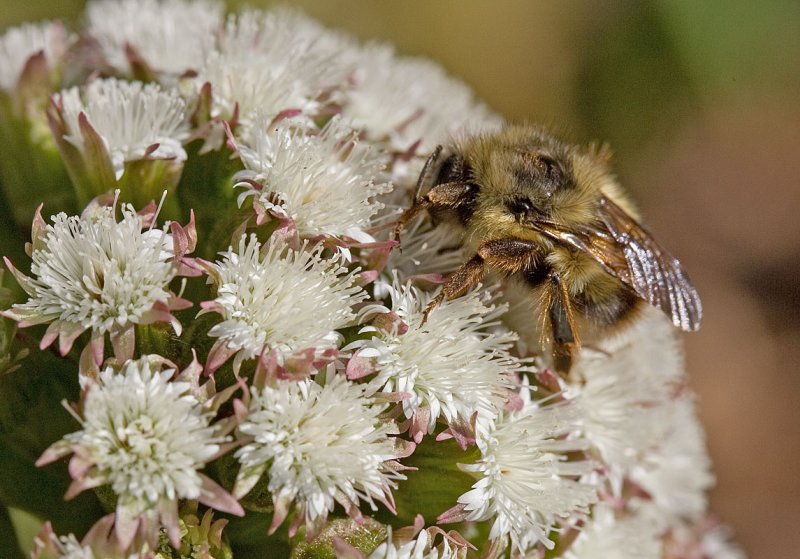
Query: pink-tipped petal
[
  {"x": 24, "y": 281},
  {"x": 67, "y": 335},
  {"x": 38, "y": 228},
  {"x": 52, "y": 453},
  {"x": 280, "y": 513},
  {"x": 456, "y": 514},
  {"x": 367, "y": 277},
  {"x": 217, "y": 356},
  {"x": 78, "y": 486},
  {"x": 124, "y": 342},
  {"x": 148, "y": 214},
  {"x": 169, "y": 518},
  {"x": 359, "y": 367},
  {"x": 463, "y": 433},
  {"x": 419, "y": 424},
  {"x": 214, "y": 496},
  {"x": 125, "y": 526}
]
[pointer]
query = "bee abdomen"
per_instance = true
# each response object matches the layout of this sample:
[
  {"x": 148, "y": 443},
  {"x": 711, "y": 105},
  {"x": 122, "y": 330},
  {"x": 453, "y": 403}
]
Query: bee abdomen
[{"x": 609, "y": 307}]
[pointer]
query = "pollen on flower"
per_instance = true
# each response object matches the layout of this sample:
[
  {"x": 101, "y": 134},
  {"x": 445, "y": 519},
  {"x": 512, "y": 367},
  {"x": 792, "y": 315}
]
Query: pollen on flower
[
  {"x": 135, "y": 120},
  {"x": 318, "y": 445},
  {"x": 18, "y": 44},
  {"x": 170, "y": 36},
  {"x": 526, "y": 484},
  {"x": 324, "y": 182},
  {"x": 453, "y": 366},
  {"x": 281, "y": 299}
]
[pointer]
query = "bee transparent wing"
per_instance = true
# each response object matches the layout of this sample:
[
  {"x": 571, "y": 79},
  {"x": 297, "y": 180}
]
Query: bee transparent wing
[
  {"x": 629, "y": 252},
  {"x": 655, "y": 275}
]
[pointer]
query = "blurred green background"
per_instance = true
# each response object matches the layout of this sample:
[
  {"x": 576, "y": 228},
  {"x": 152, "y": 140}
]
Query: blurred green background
[{"x": 699, "y": 101}]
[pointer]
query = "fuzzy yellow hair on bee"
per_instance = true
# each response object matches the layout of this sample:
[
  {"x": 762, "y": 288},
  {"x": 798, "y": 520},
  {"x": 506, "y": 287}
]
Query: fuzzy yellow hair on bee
[{"x": 552, "y": 218}]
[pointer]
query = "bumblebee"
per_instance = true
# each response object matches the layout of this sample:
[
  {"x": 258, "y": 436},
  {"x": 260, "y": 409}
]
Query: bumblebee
[{"x": 552, "y": 219}]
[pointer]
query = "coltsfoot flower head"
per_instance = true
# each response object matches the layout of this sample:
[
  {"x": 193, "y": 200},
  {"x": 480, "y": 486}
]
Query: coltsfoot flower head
[
  {"x": 526, "y": 484},
  {"x": 318, "y": 445},
  {"x": 169, "y": 36},
  {"x": 132, "y": 120},
  {"x": 323, "y": 182},
  {"x": 275, "y": 299},
  {"x": 96, "y": 273},
  {"x": 271, "y": 62},
  {"x": 406, "y": 100},
  {"x": 452, "y": 367},
  {"x": 19, "y": 44},
  {"x": 146, "y": 437}
]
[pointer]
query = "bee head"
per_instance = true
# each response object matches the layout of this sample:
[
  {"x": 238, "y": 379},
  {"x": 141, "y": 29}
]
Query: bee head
[{"x": 539, "y": 179}]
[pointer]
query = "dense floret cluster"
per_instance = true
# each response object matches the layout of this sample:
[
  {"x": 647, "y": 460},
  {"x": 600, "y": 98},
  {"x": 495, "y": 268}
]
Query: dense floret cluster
[{"x": 269, "y": 362}]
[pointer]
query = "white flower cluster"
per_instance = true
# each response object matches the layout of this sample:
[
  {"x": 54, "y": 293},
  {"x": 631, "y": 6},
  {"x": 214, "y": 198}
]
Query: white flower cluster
[{"x": 327, "y": 387}]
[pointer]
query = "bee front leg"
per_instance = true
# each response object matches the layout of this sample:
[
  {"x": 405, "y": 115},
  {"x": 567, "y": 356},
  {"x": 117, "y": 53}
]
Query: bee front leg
[
  {"x": 505, "y": 255},
  {"x": 445, "y": 195},
  {"x": 460, "y": 281}
]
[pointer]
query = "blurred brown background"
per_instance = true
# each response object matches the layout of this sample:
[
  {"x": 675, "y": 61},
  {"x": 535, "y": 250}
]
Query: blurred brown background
[{"x": 699, "y": 101}]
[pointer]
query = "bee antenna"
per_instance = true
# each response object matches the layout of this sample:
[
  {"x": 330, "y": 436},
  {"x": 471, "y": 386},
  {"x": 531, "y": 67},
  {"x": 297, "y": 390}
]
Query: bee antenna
[{"x": 424, "y": 176}]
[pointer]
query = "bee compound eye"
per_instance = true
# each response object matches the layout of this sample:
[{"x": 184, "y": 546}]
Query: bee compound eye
[
  {"x": 520, "y": 206},
  {"x": 551, "y": 168}
]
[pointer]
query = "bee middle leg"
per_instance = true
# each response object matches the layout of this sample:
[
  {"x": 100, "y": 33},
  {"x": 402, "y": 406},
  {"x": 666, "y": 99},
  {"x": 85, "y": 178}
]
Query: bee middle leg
[
  {"x": 561, "y": 316},
  {"x": 505, "y": 255}
]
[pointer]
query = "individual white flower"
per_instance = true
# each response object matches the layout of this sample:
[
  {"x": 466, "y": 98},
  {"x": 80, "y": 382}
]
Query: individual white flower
[
  {"x": 171, "y": 36},
  {"x": 627, "y": 383},
  {"x": 19, "y": 44},
  {"x": 318, "y": 445},
  {"x": 280, "y": 299},
  {"x": 323, "y": 182},
  {"x": 420, "y": 547},
  {"x": 409, "y": 99},
  {"x": 677, "y": 473},
  {"x": 146, "y": 438},
  {"x": 134, "y": 120},
  {"x": 271, "y": 61},
  {"x": 453, "y": 366},
  {"x": 95, "y": 273},
  {"x": 526, "y": 484},
  {"x": 609, "y": 537}
]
